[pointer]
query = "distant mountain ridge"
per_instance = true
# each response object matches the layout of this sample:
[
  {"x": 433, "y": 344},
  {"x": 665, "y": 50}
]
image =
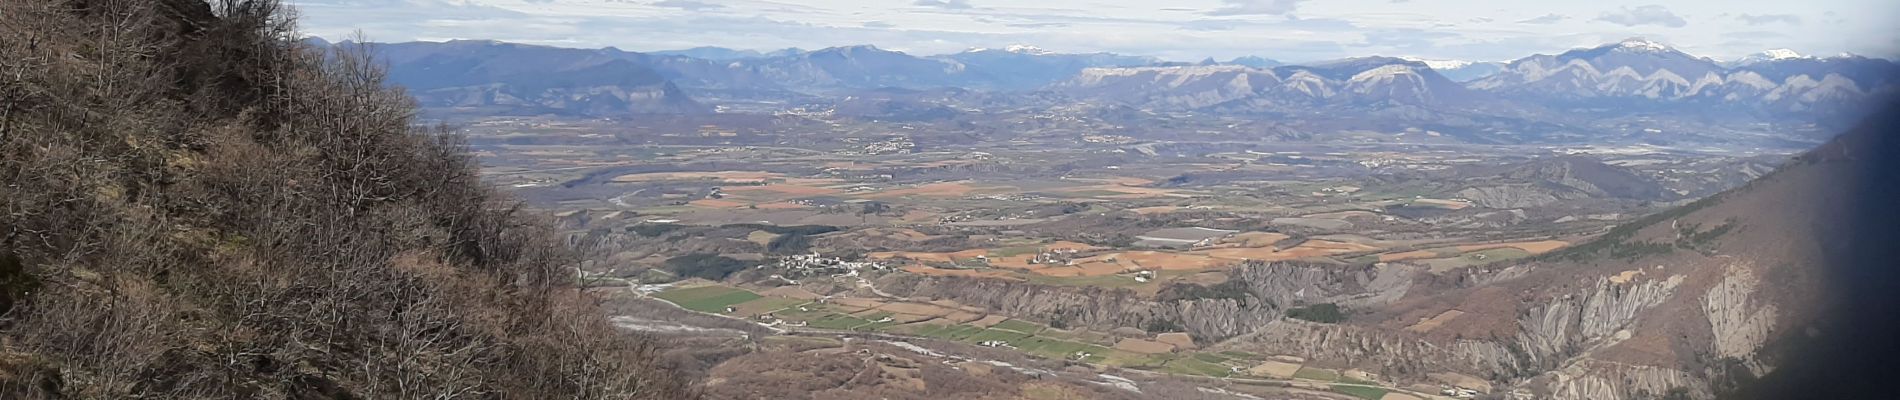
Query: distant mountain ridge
[{"x": 1630, "y": 77}]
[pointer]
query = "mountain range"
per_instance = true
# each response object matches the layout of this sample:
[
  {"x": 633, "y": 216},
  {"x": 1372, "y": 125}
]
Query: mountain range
[{"x": 1628, "y": 78}]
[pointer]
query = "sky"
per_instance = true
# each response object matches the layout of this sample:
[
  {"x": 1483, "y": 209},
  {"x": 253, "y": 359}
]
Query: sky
[{"x": 1182, "y": 30}]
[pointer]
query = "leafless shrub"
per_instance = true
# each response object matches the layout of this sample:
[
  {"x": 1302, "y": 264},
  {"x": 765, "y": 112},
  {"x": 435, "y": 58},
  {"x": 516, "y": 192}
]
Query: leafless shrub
[{"x": 194, "y": 205}]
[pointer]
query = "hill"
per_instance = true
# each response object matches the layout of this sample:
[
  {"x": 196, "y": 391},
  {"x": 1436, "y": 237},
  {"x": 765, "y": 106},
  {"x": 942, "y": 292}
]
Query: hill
[
  {"x": 1734, "y": 295},
  {"x": 199, "y": 206}
]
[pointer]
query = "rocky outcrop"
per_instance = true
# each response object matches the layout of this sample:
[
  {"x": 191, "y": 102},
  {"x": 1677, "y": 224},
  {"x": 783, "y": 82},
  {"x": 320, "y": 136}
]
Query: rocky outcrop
[
  {"x": 1600, "y": 380},
  {"x": 1740, "y": 327},
  {"x": 1552, "y": 335}
]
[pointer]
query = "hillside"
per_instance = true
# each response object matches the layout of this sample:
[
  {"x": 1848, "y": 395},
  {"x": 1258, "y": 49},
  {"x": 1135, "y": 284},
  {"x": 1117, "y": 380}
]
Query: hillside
[
  {"x": 198, "y": 206},
  {"x": 1735, "y": 295}
]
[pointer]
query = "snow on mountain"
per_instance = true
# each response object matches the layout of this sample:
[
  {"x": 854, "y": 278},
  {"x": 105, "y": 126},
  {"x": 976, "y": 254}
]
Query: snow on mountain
[
  {"x": 1769, "y": 55},
  {"x": 1359, "y": 81},
  {"x": 1027, "y": 49},
  {"x": 1441, "y": 64},
  {"x": 1643, "y": 45}
]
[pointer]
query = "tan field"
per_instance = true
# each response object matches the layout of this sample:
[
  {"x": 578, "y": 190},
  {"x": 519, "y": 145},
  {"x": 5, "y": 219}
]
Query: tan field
[
  {"x": 930, "y": 257},
  {"x": 1449, "y": 204},
  {"x": 1399, "y": 396},
  {"x": 1133, "y": 345},
  {"x": 1167, "y": 261},
  {"x": 1534, "y": 247},
  {"x": 1067, "y": 245},
  {"x": 1275, "y": 369},
  {"x": 718, "y": 203},
  {"x": 1176, "y": 339},
  {"x": 1409, "y": 255}
]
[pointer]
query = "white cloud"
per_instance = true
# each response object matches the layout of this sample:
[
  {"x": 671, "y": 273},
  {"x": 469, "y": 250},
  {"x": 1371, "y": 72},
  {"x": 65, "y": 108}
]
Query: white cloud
[
  {"x": 1644, "y": 15},
  {"x": 1179, "y": 30},
  {"x": 1765, "y": 19},
  {"x": 1551, "y": 18},
  {"x": 1256, "y": 7},
  {"x": 944, "y": 4},
  {"x": 689, "y": 5}
]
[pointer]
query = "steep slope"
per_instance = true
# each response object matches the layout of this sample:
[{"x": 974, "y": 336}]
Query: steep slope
[
  {"x": 198, "y": 206},
  {"x": 1696, "y": 302}
]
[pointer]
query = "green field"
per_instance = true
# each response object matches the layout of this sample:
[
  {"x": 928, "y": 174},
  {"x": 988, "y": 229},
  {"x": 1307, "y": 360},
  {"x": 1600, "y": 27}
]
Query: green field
[
  {"x": 1192, "y": 366},
  {"x": 948, "y": 332},
  {"x": 768, "y": 304},
  {"x": 1211, "y": 358},
  {"x": 1241, "y": 355},
  {"x": 1134, "y": 360},
  {"x": 837, "y": 321},
  {"x": 1363, "y": 392},
  {"x": 1018, "y": 325},
  {"x": 708, "y": 299}
]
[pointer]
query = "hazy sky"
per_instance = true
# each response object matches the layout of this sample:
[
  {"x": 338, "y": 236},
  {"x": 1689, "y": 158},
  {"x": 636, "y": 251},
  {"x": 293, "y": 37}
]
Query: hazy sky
[{"x": 1288, "y": 30}]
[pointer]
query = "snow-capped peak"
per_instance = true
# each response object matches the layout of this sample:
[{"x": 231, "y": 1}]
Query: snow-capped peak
[
  {"x": 1027, "y": 49},
  {"x": 1770, "y": 55},
  {"x": 1440, "y": 65},
  {"x": 1781, "y": 54},
  {"x": 1644, "y": 45}
]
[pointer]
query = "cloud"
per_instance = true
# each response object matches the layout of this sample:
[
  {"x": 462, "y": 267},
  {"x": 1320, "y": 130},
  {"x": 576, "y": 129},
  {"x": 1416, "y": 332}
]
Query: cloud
[
  {"x": 1407, "y": 38},
  {"x": 944, "y": 4},
  {"x": 1256, "y": 7},
  {"x": 1546, "y": 19},
  {"x": 1765, "y": 19},
  {"x": 1035, "y": 25},
  {"x": 878, "y": 25},
  {"x": 1644, "y": 15},
  {"x": 688, "y": 5}
]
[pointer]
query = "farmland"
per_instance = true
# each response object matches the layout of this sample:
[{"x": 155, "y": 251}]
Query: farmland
[{"x": 1154, "y": 256}]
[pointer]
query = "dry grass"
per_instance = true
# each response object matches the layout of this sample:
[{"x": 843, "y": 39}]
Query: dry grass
[{"x": 1428, "y": 324}]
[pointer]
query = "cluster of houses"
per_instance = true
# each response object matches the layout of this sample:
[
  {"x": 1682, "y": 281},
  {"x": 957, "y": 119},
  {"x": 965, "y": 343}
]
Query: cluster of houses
[
  {"x": 1046, "y": 256},
  {"x": 814, "y": 264}
]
